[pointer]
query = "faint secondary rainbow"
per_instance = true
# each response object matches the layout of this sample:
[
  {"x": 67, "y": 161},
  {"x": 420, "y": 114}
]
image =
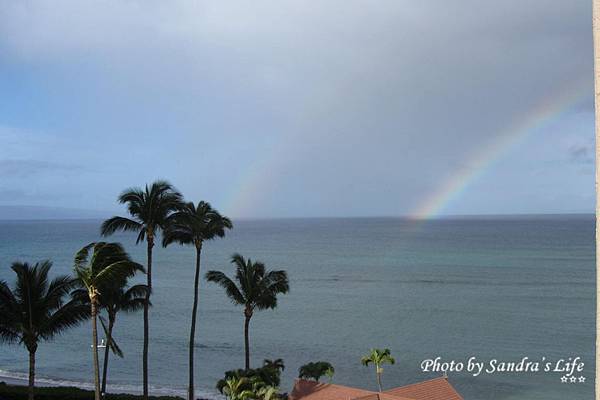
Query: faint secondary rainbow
[{"x": 539, "y": 116}]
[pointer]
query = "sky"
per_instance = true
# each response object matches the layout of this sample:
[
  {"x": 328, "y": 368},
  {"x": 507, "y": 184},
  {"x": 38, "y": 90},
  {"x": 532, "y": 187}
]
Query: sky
[{"x": 299, "y": 109}]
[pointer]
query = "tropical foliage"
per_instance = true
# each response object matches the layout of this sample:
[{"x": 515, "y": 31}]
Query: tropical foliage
[
  {"x": 98, "y": 267},
  {"x": 253, "y": 287},
  {"x": 193, "y": 225},
  {"x": 116, "y": 299},
  {"x": 244, "y": 385},
  {"x": 378, "y": 357},
  {"x": 269, "y": 374},
  {"x": 37, "y": 309},
  {"x": 149, "y": 209},
  {"x": 316, "y": 370}
]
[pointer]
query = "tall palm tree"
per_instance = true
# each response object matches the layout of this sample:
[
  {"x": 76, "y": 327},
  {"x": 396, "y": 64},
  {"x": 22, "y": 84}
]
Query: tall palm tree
[
  {"x": 37, "y": 309},
  {"x": 596, "y": 36},
  {"x": 378, "y": 357},
  {"x": 192, "y": 226},
  {"x": 253, "y": 288},
  {"x": 115, "y": 300},
  {"x": 149, "y": 209},
  {"x": 98, "y": 267}
]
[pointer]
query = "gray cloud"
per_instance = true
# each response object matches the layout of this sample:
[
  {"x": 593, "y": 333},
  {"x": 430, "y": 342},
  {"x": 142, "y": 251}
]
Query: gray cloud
[
  {"x": 582, "y": 154},
  {"x": 376, "y": 104},
  {"x": 28, "y": 168}
]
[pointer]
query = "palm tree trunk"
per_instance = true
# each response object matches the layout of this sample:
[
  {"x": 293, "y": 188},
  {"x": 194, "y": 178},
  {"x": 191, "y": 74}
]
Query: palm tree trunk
[
  {"x": 150, "y": 240},
  {"x": 193, "y": 326},
  {"x": 95, "y": 352},
  {"x": 31, "y": 374},
  {"x": 111, "y": 323},
  {"x": 596, "y": 34},
  {"x": 379, "y": 381},
  {"x": 248, "y": 315}
]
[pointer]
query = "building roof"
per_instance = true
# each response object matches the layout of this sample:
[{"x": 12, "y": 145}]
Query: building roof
[
  {"x": 434, "y": 389},
  {"x": 382, "y": 396},
  {"x": 311, "y": 390}
]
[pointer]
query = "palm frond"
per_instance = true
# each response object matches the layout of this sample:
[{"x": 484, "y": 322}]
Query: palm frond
[
  {"x": 69, "y": 315},
  {"x": 114, "y": 224},
  {"x": 134, "y": 298},
  {"x": 58, "y": 288},
  {"x": 8, "y": 301},
  {"x": 366, "y": 360},
  {"x": 9, "y": 315},
  {"x": 132, "y": 196},
  {"x": 82, "y": 255},
  {"x": 231, "y": 289},
  {"x": 116, "y": 272},
  {"x": 114, "y": 347}
]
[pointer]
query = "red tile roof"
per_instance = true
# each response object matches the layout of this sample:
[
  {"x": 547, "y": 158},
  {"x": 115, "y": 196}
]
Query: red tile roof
[
  {"x": 382, "y": 396},
  {"x": 434, "y": 389},
  {"x": 311, "y": 390}
]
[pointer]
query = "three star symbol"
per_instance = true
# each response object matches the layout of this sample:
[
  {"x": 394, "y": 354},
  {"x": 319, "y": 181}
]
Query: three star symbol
[{"x": 572, "y": 379}]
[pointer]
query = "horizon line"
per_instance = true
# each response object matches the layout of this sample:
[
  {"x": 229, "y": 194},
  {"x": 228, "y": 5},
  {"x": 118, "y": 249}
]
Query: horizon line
[{"x": 375, "y": 216}]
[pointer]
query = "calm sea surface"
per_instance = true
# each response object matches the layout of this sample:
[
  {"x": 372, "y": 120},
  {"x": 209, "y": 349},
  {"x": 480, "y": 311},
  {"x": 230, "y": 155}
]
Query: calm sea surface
[{"x": 493, "y": 288}]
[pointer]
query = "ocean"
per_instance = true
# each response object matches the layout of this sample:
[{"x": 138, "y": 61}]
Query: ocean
[{"x": 494, "y": 288}]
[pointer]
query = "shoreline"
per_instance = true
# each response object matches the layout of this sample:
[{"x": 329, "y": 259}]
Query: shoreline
[{"x": 19, "y": 379}]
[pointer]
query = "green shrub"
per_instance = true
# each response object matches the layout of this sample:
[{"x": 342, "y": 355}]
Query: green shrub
[
  {"x": 316, "y": 370},
  {"x": 268, "y": 375}
]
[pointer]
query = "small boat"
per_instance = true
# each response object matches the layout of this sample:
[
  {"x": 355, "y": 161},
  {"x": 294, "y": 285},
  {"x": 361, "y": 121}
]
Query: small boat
[{"x": 102, "y": 345}]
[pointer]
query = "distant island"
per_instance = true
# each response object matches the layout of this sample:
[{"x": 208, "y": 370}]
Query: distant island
[{"x": 13, "y": 213}]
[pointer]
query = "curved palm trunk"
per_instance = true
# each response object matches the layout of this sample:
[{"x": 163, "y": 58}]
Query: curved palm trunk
[
  {"x": 95, "y": 352},
  {"x": 248, "y": 315},
  {"x": 111, "y": 323},
  {"x": 31, "y": 374},
  {"x": 379, "y": 379},
  {"x": 150, "y": 240},
  {"x": 193, "y": 326}
]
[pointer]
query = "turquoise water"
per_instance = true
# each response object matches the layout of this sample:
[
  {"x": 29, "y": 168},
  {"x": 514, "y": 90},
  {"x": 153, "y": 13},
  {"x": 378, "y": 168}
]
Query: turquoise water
[{"x": 502, "y": 288}]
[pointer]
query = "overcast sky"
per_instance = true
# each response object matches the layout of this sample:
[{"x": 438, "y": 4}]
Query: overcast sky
[{"x": 295, "y": 108}]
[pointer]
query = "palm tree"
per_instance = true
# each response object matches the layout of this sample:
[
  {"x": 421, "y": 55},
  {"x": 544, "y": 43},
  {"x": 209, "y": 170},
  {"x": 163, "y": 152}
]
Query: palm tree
[
  {"x": 329, "y": 372},
  {"x": 267, "y": 393},
  {"x": 114, "y": 300},
  {"x": 254, "y": 288},
  {"x": 37, "y": 309},
  {"x": 98, "y": 267},
  {"x": 192, "y": 226},
  {"x": 270, "y": 372},
  {"x": 238, "y": 388},
  {"x": 149, "y": 208},
  {"x": 276, "y": 364},
  {"x": 378, "y": 357},
  {"x": 596, "y": 36},
  {"x": 315, "y": 370}
]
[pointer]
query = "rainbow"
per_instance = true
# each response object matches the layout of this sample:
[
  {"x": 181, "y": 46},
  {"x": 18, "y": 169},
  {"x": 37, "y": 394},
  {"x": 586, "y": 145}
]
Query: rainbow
[
  {"x": 258, "y": 174},
  {"x": 254, "y": 181},
  {"x": 539, "y": 116}
]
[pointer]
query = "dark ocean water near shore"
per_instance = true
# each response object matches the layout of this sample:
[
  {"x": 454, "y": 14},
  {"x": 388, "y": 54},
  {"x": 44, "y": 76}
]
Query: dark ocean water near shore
[{"x": 494, "y": 288}]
